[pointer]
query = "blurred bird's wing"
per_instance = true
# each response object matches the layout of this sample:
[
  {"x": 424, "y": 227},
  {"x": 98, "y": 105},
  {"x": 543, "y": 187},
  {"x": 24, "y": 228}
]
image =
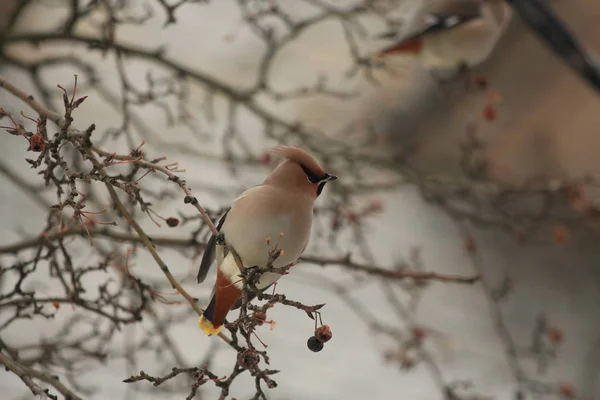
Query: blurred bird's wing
[
  {"x": 540, "y": 17},
  {"x": 446, "y": 15},
  {"x": 209, "y": 253}
]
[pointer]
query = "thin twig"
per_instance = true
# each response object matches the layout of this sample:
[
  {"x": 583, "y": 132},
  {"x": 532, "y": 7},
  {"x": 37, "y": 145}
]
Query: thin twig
[
  {"x": 26, "y": 374},
  {"x": 31, "y": 102},
  {"x": 164, "y": 268},
  {"x": 182, "y": 184}
]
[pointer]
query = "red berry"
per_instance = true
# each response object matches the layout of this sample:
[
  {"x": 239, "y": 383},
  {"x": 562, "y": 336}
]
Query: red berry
[
  {"x": 561, "y": 234},
  {"x": 248, "y": 358},
  {"x": 556, "y": 335},
  {"x": 567, "y": 390},
  {"x": 489, "y": 112}
]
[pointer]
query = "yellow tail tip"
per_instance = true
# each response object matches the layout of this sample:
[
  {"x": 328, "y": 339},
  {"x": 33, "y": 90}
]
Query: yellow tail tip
[{"x": 207, "y": 327}]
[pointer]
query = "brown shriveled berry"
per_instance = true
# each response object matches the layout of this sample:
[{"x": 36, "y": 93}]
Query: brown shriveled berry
[
  {"x": 323, "y": 334},
  {"x": 314, "y": 344},
  {"x": 260, "y": 317},
  {"x": 172, "y": 222},
  {"x": 248, "y": 358},
  {"x": 490, "y": 112},
  {"x": 36, "y": 143}
]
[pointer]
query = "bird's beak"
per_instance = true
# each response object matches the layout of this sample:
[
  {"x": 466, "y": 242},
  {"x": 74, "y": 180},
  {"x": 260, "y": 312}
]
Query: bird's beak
[
  {"x": 330, "y": 178},
  {"x": 387, "y": 35}
]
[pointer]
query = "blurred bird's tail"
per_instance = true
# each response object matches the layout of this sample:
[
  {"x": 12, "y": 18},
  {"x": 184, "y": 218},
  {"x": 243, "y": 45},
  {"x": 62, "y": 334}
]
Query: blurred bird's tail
[
  {"x": 226, "y": 294},
  {"x": 205, "y": 323}
]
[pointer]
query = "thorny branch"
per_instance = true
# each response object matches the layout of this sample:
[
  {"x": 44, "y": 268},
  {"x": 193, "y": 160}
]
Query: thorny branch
[{"x": 81, "y": 172}]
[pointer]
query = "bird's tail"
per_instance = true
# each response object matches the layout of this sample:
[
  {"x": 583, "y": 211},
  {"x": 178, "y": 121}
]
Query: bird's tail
[
  {"x": 225, "y": 296},
  {"x": 205, "y": 322}
]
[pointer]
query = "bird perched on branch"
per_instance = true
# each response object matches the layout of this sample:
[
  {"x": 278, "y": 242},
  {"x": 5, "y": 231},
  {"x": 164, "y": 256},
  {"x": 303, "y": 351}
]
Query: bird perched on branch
[
  {"x": 274, "y": 216},
  {"x": 453, "y": 34}
]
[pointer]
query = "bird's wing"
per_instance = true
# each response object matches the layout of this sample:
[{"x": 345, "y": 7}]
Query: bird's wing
[
  {"x": 251, "y": 296},
  {"x": 209, "y": 253}
]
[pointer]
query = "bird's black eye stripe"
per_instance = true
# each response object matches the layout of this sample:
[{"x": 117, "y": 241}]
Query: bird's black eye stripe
[
  {"x": 320, "y": 188},
  {"x": 312, "y": 177}
]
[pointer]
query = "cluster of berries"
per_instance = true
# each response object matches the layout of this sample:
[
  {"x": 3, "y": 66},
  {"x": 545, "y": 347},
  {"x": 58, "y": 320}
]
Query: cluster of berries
[{"x": 322, "y": 335}]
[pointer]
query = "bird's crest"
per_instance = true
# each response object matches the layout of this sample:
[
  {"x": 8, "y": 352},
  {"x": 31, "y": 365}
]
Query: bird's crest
[{"x": 301, "y": 157}]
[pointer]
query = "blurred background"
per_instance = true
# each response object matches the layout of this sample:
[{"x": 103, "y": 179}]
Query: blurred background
[{"x": 495, "y": 182}]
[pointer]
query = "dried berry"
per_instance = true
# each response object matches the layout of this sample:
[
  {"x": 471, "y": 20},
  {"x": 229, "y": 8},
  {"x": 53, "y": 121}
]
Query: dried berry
[
  {"x": 323, "y": 334},
  {"x": 490, "y": 113},
  {"x": 248, "y": 358},
  {"x": 172, "y": 222},
  {"x": 314, "y": 344},
  {"x": 36, "y": 143},
  {"x": 260, "y": 317}
]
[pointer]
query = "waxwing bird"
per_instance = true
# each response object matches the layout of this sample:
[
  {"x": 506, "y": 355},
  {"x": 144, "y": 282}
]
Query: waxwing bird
[
  {"x": 453, "y": 33},
  {"x": 276, "y": 213}
]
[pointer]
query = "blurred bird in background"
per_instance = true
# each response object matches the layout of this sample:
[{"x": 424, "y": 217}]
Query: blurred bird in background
[
  {"x": 452, "y": 34},
  {"x": 273, "y": 217}
]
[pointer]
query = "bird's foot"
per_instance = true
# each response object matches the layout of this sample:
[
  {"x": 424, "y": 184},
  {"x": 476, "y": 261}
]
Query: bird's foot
[
  {"x": 220, "y": 240},
  {"x": 252, "y": 274}
]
